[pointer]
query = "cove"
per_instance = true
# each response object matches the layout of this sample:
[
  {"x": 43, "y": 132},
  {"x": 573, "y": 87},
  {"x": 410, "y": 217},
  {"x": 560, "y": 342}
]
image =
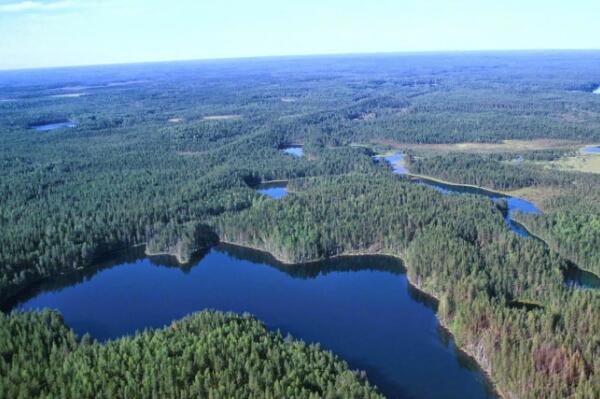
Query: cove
[{"x": 361, "y": 308}]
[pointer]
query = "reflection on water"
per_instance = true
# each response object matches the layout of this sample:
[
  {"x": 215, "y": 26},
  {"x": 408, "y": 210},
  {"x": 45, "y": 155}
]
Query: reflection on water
[
  {"x": 577, "y": 278},
  {"x": 361, "y": 308}
]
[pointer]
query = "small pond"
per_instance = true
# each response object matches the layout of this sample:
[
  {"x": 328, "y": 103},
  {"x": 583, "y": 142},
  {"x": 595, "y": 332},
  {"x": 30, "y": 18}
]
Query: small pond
[
  {"x": 53, "y": 126},
  {"x": 578, "y": 278},
  {"x": 294, "y": 150},
  {"x": 275, "y": 190}
]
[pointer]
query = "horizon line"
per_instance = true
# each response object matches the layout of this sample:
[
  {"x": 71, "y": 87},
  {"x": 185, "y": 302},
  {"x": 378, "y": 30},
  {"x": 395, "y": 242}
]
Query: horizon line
[{"x": 284, "y": 56}]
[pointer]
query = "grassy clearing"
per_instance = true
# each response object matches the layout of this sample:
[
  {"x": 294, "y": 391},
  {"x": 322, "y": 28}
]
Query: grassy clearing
[
  {"x": 537, "y": 194},
  {"x": 580, "y": 163}
]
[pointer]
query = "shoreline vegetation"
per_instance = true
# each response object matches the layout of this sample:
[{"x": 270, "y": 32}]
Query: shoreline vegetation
[
  {"x": 487, "y": 372},
  {"x": 471, "y": 354},
  {"x": 190, "y": 357},
  {"x": 470, "y": 351},
  {"x": 516, "y": 218},
  {"x": 522, "y": 193}
]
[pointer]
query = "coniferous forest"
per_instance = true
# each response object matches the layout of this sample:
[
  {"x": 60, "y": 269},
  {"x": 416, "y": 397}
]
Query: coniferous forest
[{"x": 168, "y": 156}]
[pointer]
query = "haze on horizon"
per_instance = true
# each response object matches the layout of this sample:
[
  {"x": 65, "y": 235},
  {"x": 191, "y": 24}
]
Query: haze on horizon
[{"x": 47, "y": 33}]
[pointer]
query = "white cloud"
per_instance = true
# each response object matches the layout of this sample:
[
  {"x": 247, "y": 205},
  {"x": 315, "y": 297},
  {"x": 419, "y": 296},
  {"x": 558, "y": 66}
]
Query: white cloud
[{"x": 28, "y": 5}]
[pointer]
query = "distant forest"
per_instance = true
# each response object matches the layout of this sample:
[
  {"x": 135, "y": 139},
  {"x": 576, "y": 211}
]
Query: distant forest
[{"x": 167, "y": 155}]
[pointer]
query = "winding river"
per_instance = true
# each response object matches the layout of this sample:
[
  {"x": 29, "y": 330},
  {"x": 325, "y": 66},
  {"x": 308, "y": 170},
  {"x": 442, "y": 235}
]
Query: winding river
[
  {"x": 514, "y": 204},
  {"x": 361, "y": 308}
]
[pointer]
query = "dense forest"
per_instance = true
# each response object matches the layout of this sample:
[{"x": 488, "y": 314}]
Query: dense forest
[
  {"x": 457, "y": 249},
  {"x": 571, "y": 221},
  {"x": 167, "y": 155},
  {"x": 207, "y": 354}
]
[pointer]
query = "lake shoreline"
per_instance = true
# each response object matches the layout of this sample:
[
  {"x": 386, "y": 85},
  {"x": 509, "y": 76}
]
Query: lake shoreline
[
  {"x": 449, "y": 183},
  {"x": 486, "y": 372},
  {"x": 466, "y": 351}
]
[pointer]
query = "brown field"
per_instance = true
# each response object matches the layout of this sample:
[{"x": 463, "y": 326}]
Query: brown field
[
  {"x": 538, "y": 194},
  {"x": 580, "y": 163}
]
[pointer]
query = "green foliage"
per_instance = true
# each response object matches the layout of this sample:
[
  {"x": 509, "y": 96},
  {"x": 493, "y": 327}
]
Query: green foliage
[
  {"x": 181, "y": 241},
  {"x": 207, "y": 354},
  {"x": 486, "y": 171},
  {"x": 148, "y": 162},
  {"x": 458, "y": 249}
]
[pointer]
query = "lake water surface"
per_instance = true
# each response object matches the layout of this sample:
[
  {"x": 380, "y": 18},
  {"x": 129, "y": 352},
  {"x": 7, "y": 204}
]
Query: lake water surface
[
  {"x": 275, "y": 190},
  {"x": 361, "y": 308},
  {"x": 53, "y": 126},
  {"x": 591, "y": 150},
  {"x": 294, "y": 150}
]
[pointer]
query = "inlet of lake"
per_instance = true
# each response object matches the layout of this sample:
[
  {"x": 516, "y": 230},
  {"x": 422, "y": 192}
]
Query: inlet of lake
[{"x": 361, "y": 308}]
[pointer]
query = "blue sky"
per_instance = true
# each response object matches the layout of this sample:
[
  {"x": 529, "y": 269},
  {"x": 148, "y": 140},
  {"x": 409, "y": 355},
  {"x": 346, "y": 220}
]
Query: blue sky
[{"x": 40, "y": 33}]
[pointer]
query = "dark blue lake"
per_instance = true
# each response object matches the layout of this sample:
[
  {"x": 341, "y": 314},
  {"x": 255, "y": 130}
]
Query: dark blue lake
[
  {"x": 274, "y": 190},
  {"x": 361, "y": 308},
  {"x": 54, "y": 126}
]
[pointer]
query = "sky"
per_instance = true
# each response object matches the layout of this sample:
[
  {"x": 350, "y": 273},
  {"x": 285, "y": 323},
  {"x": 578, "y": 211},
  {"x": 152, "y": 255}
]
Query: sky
[{"x": 46, "y": 33}]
